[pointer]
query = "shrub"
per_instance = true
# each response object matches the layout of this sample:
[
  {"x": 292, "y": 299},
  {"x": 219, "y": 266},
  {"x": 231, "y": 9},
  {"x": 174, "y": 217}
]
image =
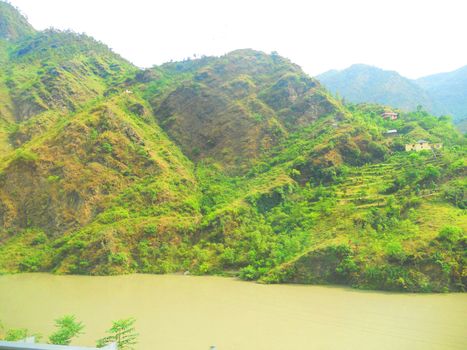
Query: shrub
[
  {"x": 196, "y": 151},
  {"x": 455, "y": 193},
  {"x": 347, "y": 267},
  {"x": 450, "y": 234},
  {"x": 68, "y": 328},
  {"x": 40, "y": 238},
  {"x": 249, "y": 273},
  {"x": 106, "y": 147},
  {"x": 23, "y": 155},
  {"x": 150, "y": 230},
  {"x": 258, "y": 117},
  {"x": 431, "y": 174},
  {"x": 53, "y": 178},
  {"x": 120, "y": 259},
  {"x": 228, "y": 256},
  {"x": 395, "y": 252},
  {"x": 114, "y": 215},
  {"x": 31, "y": 263},
  {"x": 377, "y": 151}
]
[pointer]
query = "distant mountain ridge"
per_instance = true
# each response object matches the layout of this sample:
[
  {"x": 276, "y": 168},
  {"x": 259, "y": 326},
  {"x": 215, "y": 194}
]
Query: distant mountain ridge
[
  {"x": 441, "y": 94},
  {"x": 449, "y": 92},
  {"x": 361, "y": 83}
]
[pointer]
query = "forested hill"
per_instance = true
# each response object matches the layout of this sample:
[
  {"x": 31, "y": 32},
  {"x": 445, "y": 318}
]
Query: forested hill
[
  {"x": 441, "y": 94},
  {"x": 240, "y": 165}
]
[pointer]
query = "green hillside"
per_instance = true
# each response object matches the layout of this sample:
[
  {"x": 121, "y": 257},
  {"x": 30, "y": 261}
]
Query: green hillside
[{"x": 239, "y": 165}]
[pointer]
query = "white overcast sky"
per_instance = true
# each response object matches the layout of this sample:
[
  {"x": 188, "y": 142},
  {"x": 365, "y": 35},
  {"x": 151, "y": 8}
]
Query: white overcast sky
[{"x": 413, "y": 37}]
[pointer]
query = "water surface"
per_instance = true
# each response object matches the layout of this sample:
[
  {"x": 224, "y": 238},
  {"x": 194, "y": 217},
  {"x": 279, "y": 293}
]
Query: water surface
[{"x": 191, "y": 313}]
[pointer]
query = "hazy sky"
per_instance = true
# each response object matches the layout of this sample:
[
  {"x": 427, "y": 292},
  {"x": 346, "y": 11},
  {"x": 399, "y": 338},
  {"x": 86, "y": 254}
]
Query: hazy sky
[{"x": 414, "y": 37}]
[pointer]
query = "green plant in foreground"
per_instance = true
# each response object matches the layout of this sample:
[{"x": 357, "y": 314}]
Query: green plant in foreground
[
  {"x": 16, "y": 334},
  {"x": 67, "y": 328},
  {"x": 122, "y": 332}
]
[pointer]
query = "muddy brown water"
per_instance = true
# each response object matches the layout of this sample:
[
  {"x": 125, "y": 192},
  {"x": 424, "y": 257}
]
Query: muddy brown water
[{"x": 176, "y": 312}]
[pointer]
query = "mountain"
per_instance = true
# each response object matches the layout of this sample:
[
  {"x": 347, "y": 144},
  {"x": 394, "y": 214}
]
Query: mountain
[
  {"x": 239, "y": 164},
  {"x": 13, "y": 25},
  {"x": 361, "y": 83},
  {"x": 441, "y": 94},
  {"x": 234, "y": 108},
  {"x": 449, "y": 91}
]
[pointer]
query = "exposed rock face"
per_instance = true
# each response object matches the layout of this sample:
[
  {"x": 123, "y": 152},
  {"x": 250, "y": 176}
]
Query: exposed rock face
[
  {"x": 236, "y": 107},
  {"x": 66, "y": 182}
]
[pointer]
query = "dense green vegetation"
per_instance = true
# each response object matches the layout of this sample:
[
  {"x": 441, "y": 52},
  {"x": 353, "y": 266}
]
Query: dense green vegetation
[{"x": 240, "y": 165}]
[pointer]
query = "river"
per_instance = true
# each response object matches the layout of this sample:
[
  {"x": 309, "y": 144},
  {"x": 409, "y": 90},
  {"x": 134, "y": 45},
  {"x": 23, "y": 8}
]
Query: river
[{"x": 176, "y": 312}]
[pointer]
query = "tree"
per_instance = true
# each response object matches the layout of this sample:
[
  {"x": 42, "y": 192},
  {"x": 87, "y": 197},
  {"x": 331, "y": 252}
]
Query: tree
[
  {"x": 68, "y": 328},
  {"x": 122, "y": 332}
]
